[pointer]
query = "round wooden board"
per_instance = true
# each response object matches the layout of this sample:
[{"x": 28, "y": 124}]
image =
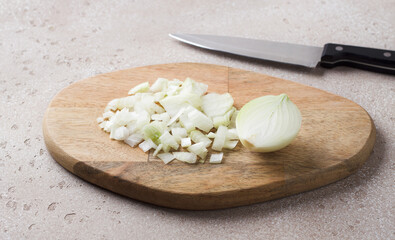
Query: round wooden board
[{"x": 336, "y": 138}]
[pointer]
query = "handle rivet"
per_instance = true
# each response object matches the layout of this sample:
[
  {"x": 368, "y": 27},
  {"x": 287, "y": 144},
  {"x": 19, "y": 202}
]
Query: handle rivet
[
  {"x": 339, "y": 48},
  {"x": 387, "y": 54}
]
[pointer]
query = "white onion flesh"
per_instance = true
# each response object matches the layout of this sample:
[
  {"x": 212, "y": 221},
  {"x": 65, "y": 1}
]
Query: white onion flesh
[
  {"x": 180, "y": 132},
  {"x": 185, "y": 157},
  {"x": 145, "y": 146},
  {"x": 211, "y": 135},
  {"x": 169, "y": 140},
  {"x": 121, "y": 133},
  {"x": 230, "y": 144},
  {"x": 108, "y": 115},
  {"x": 198, "y": 149},
  {"x": 134, "y": 139},
  {"x": 200, "y": 120},
  {"x": 99, "y": 119},
  {"x": 197, "y": 136},
  {"x": 186, "y": 142},
  {"x": 268, "y": 123},
  {"x": 220, "y": 138},
  {"x": 160, "y": 146},
  {"x": 216, "y": 157},
  {"x": 142, "y": 87},
  {"x": 166, "y": 157},
  {"x": 160, "y": 85},
  {"x": 214, "y": 104}
]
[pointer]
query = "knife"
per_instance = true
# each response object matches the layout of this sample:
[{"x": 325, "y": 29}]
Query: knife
[{"x": 329, "y": 56}]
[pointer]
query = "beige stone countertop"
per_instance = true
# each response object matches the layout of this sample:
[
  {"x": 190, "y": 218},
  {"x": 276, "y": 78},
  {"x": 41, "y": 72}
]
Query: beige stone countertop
[{"x": 47, "y": 45}]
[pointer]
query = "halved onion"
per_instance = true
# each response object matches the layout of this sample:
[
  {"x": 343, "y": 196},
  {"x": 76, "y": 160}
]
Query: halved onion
[{"x": 268, "y": 123}]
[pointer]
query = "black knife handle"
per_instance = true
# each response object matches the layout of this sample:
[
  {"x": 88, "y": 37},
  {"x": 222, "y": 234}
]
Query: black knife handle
[{"x": 371, "y": 59}]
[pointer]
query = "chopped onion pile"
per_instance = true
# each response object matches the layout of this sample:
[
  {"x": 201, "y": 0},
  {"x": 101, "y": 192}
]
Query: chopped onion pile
[{"x": 175, "y": 119}]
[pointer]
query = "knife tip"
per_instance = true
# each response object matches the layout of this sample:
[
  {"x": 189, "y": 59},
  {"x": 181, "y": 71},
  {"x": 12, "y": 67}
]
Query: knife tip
[{"x": 174, "y": 35}]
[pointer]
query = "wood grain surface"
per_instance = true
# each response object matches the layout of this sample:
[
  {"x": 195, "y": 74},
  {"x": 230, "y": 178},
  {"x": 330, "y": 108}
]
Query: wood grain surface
[{"x": 336, "y": 138}]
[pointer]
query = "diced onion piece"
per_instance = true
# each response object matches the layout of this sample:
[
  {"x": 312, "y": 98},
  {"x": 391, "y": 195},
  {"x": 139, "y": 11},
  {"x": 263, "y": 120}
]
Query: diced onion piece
[
  {"x": 166, "y": 157},
  {"x": 112, "y": 105},
  {"x": 168, "y": 140},
  {"x": 159, "y": 96},
  {"x": 108, "y": 115},
  {"x": 123, "y": 117},
  {"x": 214, "y": 104},
  {"x": 172, "y": 104},
  {"x": 157, "y": 149},
  {"x": 203, "y": 155},
  {"x": 176, "y": 116},
  {"x": 187, "y": 86},
  {"x": 152, "y": 144},
  {"x": 172, "y": 90},
  {"x": 230, "y": 144},
  {"x": 173, "y": 87},
  {"x": 268, "y": 123},
  {"x": 153, "y": 131},
  {"x": 200, "y": 120},
  {"x": 175, "y": 125},
  {"x": 185, "y": 157},
  {"x": 178, "y": 139},
  {"x": 157, "y": 109},
  {"x": 99, "y": 120},
  {"x": 112, "y": 132},
  {"x": 202, "y": 160},
  {"x": 142, "y": 120},
  {"x": 197, "y": 136},
  {"x": 232, "y": 134},
  {"x": 220, "y": 120},
  {"x": 175, "y": 82},
  {"x": 110, "y": 125},
  {"x": 164, "y": 117},
  {"x": 200, "y": 88},
  {"x": 166, "y": 148},
  {"x": 185, "y": 142},
  {"x": 216, "y": 157},
  {"x": 211, "y": 135},
  {"x": 147, "y": 103},
  {"x": 189, "y": 108},
  {"x": 181, "y": 132},
  {"x": 223, "y": 120},
  {"x": 103, "y": 124},
  {"x": 134, "y": 139},
  {"x": 121, "y": 133},
  {"x": 191, "y": 86},
  {"x": 220, "y": 137},
  {"x": 187, "y": 123},
  {"x": 142, "y": 87},
  {"x": 126, "y": 102},
  {"x": 159, "y": 85},
  {"x": 147, "y": 145},
  {"x": 198, "y": 149}
]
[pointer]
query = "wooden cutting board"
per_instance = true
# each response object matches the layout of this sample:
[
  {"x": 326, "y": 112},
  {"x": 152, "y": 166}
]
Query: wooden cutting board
[{"x": 336, "y": 138}]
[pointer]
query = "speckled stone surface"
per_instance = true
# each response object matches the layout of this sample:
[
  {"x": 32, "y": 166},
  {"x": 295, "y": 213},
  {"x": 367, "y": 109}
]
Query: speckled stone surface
[{"x": 47, "y": 45}]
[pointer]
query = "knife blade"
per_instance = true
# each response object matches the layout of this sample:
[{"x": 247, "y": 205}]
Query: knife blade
[{"x": 329, "y": 56}]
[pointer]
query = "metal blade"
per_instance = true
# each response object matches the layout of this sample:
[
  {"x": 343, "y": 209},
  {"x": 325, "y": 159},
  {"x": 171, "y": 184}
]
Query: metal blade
[{"x": 297, "y": 54}]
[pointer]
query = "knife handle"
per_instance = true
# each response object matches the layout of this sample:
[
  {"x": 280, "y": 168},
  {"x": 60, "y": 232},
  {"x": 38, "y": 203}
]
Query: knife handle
[{"x": 371, "y": 59}]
